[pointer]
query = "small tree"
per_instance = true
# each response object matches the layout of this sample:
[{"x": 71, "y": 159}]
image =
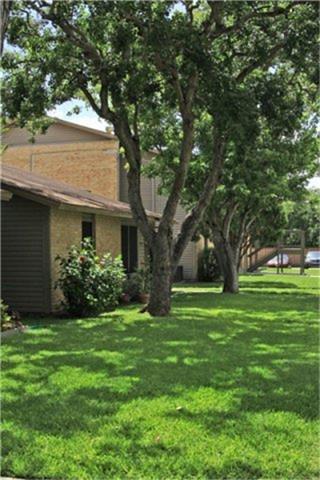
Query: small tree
[{"x": 89, "y": 284}]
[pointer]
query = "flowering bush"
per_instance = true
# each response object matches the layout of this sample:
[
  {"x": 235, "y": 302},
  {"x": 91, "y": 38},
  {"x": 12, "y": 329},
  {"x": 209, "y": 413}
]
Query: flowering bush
[{"x": 90, "y": 284}]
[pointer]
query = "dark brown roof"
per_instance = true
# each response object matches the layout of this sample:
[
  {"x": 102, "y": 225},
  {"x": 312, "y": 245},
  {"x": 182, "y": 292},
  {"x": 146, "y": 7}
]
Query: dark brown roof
[{"x": 56, "y": 192}]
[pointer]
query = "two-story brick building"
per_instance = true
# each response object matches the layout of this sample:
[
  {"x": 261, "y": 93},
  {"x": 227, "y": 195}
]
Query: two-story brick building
[
  {"x": 56, "y": 191},
  {"x": 67, "y": 184}
]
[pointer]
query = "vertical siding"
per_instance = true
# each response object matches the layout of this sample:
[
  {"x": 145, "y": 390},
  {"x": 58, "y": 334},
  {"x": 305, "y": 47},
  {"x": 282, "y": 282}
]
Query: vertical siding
[{"x": 25, "y": 255}]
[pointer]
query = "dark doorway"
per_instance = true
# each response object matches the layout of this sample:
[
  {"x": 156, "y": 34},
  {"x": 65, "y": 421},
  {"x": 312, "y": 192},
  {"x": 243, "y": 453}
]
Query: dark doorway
[{"x": 129, "y": 247}]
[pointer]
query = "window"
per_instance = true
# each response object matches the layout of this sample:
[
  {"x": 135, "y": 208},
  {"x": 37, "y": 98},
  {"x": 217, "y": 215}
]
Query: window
[
  {"x": 129, "y": 247},
  {"x": 88, "y": 227}
]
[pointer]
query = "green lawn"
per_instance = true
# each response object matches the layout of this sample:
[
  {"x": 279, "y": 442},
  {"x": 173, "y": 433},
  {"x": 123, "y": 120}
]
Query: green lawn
[{"x": 224, "y": 388}]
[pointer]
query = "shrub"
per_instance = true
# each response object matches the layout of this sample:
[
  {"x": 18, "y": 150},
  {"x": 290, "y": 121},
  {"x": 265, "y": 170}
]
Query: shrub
[
  {"x": 208, "y": 267},
  {"x": 10, "y": 318},
  {"x": 131, "y": 286},
  {"x": 137, "y": 283},
  {"x": 89, "y": 284},
  {"x": 5, "y": 316}
]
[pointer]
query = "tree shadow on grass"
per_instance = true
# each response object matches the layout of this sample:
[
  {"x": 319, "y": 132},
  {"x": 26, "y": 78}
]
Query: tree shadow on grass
[
  {"x": 267, "y": 285},
  {"x": 219, "y": 361},
  {"x": 259, "y": 282},
  {"x": 250, "y": 302}
]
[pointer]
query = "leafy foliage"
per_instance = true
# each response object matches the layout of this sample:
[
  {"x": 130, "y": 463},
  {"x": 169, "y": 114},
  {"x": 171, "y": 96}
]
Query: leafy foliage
[
  {"x": 89, "y": 284},
  {"x": 137, "y": 283},
  {"x": 213, "y": 63},
  {"x": 262, "y": 171},
  {"x": 208, "y": 266},
  {"x": 305, "y": 215},
  {"x": 4, "y": 314}
]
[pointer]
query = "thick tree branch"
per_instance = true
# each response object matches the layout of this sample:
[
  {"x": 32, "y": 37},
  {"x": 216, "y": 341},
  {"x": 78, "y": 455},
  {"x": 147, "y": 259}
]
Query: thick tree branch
[
  {"x": 243, "y": 234},
  {"x": 135, "y": 122},
  {"x": 261, "y": 62},
  {"x": 245, "y": 246},
  {"x": 185, "y": 99},
  {"x": 5, "y": 8},
  {"x": 258, "y": 13},
  {"x": 91, "y": 100},
  {"x": 74, "y": 34},
  {"x": 214, "y": 19},
  {"x": 228, "y": 219},
  {"x": 190, "y": 7},
  {"x": 107, "y": 113},
  {"x": 185, "y": 154},
  {"x": 192, "y": 220},
  {"x": 133, "y": 155},
  {"x": 240, "y": 235},
  {"x": 180, "y": 177},
  {"x": 121, "y": 125}
]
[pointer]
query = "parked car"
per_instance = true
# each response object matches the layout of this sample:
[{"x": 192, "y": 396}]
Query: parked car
[
  {"x": 281, "y": 260},
  {"x": 312, "y": 259}
]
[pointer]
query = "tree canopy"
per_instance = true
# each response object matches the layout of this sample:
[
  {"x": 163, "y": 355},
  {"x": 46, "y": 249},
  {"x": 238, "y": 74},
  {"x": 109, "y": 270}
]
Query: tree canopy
[
  {"x": 304, "y": 214},
  {"x": 263, "y": 170},
  {"x": 153, "y": 70}
]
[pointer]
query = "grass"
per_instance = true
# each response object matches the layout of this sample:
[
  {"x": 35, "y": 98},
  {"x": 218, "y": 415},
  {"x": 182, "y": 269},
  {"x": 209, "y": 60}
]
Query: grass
[{"x": 224, "y": 388}]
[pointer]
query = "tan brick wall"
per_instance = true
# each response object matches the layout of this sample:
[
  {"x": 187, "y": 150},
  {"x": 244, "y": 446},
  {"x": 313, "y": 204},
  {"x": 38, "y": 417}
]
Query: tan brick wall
[
  {"x": 108, "y": 235},
  {"x": 65, "y": 231},
  {"x": 90, "y": 165}
]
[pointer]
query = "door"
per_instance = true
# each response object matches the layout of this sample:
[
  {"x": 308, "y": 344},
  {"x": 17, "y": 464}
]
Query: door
[{"x": 25, "y": 278}]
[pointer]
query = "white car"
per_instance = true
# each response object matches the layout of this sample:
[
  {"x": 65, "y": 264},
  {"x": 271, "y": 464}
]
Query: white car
[
  {"x": 281, "y": 260},
  {"x": 312, "y": 259}
]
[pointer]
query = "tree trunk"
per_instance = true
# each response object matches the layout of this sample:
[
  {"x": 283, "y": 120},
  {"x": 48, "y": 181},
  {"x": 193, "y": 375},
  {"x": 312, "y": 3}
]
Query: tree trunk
[
  {"x": 228, "y": 264},
  {"x": 160, "y": 292},
  {"x": 230, "y": 276},
  {"x": 5, "y": 7}
]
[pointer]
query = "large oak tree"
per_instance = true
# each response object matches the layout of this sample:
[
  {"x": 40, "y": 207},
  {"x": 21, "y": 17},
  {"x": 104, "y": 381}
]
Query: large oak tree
[
  {"x": 160, "y": 61},
  {"x": 265, "y": 167}
]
